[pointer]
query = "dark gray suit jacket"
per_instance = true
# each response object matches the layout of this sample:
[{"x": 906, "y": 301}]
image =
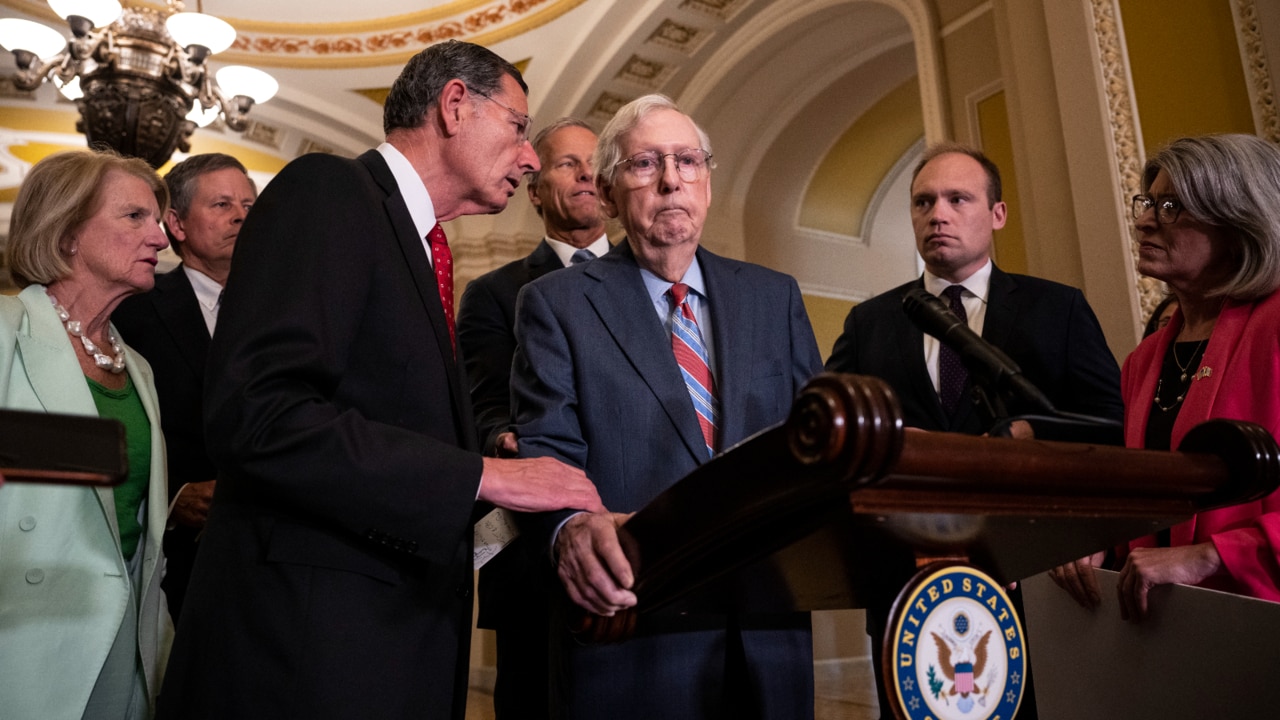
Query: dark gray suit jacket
[
  {"x": 487, "y": 340},
  {"x": 596, "y": 385}
]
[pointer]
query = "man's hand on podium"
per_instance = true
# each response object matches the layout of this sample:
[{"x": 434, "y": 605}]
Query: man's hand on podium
[
  {"x": 1078, "y": 580},
  {"x": 592, "y": 566}
]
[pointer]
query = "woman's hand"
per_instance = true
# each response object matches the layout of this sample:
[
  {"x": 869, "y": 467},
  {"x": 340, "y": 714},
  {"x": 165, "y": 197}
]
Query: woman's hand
[
  {"x": 1078, "y": 580},
  {"x": 1146, "y": 568}
]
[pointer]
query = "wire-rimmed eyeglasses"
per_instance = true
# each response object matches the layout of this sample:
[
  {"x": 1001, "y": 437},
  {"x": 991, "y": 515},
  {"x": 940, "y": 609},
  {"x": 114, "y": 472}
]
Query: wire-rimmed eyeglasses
[
  {"x": 523, "y": 121},
  {"x": 691, "y": 164}
]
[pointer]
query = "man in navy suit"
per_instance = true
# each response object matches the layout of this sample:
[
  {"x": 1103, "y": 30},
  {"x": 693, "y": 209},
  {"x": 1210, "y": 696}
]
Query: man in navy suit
[
  {"x": 171, "y": 324},
  {"x": 1047, "y": 328},
  {"x": 513, "y": 593},
  {"x": 334, "y": 576},
  {"x": 611, "y": 356}
]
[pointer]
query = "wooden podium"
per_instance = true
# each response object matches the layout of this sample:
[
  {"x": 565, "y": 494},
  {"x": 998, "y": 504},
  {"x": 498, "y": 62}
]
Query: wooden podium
[{"x": 839, "y": 507}]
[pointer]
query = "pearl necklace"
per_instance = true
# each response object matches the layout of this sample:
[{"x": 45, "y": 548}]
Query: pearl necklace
[{"x": 113, "y": 365}]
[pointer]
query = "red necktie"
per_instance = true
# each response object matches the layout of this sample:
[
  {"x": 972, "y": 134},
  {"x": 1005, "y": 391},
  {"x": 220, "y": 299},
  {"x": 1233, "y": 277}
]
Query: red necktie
[
  {"x": 691, "y": 356},
  {"x": 442, "y": 261}
]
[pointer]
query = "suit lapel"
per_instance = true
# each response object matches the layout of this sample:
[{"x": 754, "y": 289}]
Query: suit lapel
[
  {"x": 910, "y": 341},
  {"x": 623, "y": 306},
  {"x": 179, "y": 311},
  {"x": 424, "y": 280},
  {"x": 49, "y": 360},
  {"x": 541, "y": 261},
  {"x": 997, "y": 326},
  {"x": 730, "y": 310}
]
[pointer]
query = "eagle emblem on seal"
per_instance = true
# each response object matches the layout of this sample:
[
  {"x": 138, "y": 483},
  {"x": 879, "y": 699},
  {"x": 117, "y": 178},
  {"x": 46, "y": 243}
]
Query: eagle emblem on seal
[{"x": 969, "y": 664}]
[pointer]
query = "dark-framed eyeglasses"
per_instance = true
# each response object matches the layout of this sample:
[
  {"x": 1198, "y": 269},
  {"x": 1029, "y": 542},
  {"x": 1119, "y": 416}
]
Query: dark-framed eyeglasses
[
  {"x": 691, "y": 164},
  {"x": 523, "y": 121},
  {"x": 1167, "y": 208}
]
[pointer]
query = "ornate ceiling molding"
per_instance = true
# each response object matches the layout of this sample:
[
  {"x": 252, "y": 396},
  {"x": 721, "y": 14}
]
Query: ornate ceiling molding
[
  {"x": 378, "y": 42},
  {"x": 484, "y": 24}
]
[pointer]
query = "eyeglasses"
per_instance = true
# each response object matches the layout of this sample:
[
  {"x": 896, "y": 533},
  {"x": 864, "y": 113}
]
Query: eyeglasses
[
  {"x": 523, "y": 121},
  {"x": 691, "y": 164},
  {"x": 1167, "y": 208}
]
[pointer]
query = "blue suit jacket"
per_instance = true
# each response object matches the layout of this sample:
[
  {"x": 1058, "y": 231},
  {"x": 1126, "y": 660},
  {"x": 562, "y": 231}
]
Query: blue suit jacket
[{"x": 595, "y": 384}]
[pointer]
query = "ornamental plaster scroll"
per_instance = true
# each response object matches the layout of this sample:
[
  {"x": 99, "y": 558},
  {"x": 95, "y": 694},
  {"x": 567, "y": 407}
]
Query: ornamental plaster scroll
[
  {"x": 391, "y": 41},
  {"x": 488, "y": 24},
  {"x": 1122, "y": 117},
  {"x": 1257, "y": 73}
]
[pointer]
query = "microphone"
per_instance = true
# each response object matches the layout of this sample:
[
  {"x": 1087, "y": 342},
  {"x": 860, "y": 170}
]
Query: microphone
[{"x": 986, "y": 361}]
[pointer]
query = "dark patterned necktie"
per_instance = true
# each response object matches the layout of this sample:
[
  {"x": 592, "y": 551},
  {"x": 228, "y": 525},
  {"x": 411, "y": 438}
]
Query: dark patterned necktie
[
  {"x": 442, "y": 262},
  {"x": 951, "y": 372},
  {"x": 581, "y": 256},
  {"x": 691, "y": 356}
]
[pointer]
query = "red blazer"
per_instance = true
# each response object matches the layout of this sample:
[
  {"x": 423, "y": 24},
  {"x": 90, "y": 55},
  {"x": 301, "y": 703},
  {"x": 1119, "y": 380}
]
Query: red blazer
[{"x": 1243, "y": 359}]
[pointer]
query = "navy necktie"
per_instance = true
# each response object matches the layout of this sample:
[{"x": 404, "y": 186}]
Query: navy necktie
[{"x": 581, "y": 256}]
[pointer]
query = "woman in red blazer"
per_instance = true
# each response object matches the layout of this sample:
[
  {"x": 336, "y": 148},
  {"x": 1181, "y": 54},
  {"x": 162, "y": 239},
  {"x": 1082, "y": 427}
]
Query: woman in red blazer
[{"x": 1208, "y": 225}]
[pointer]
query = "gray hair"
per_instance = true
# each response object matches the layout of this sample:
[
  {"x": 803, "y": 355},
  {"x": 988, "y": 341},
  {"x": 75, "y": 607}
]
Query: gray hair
[
  {"x": 544, "y": 135},
  {"x": 609, "y": 146},
  {"x": 423, "y": 78},
  {"x": 1231, "y": 182}
]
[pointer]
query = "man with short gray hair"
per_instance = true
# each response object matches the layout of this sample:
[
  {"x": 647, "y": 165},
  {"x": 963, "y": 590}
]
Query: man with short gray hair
[{"x": 639, "y": 367}]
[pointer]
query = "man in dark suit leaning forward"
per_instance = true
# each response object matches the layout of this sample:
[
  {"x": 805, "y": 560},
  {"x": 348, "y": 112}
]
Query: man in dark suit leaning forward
[
  {"x": 171, "y": 325},
  {"x": 335, "y": 573},
  {"x": 638, "y": 367},
  {"x": 513, "y": 588},
  {"x": 1047, "y": 328}
]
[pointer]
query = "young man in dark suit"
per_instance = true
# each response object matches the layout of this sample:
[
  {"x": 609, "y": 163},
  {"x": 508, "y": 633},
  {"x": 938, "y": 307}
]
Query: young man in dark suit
[
  {"x": 1046, "y": 327},
  {"x": 638, "y": 367},
  {"x": 334, "y": 578},
  {"x": 210, "y": 195},
  {"x": 513, "y": 593}
]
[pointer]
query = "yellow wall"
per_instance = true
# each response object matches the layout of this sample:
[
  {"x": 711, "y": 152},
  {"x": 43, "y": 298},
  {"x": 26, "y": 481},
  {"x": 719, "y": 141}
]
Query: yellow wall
[
  {"x": 997, "y": 144},
  {"x": 1186, "y": 69},
  {"x": 827, "y": 317},
  {"x": 849, "y": 174}
]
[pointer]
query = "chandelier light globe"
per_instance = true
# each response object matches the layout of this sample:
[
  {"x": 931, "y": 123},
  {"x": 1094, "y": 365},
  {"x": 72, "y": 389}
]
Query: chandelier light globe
[
  {"x": 202, "y": 117},
  {"x": 71, "y": 90},
  {"x": 241, "y": 80},
  {"x": 138, "y": 75},
  {"x": 41, "y": 41},
  {"x": 188, "y": 28},
  {"x": 100, "y": 12}
]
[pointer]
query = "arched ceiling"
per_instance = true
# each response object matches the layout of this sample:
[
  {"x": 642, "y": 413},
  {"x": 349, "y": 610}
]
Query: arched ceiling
[{"x": 753, "y": 72}]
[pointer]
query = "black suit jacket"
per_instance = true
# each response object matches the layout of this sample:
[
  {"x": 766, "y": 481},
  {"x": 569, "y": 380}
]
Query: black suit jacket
[
  {"x": 334, "y": 578},
  {"x": 167, "y": 327},
  {"x": 596, "y": 385},
  {"x": 487, "y": 339},
  {"x": 1046, "y": 327}
]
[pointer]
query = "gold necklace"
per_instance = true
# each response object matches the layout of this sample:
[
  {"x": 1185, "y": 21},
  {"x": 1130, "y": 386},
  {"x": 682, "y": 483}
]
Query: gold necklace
[
  {"x": 1181, "y": 367},
  {"x": 1176, "y": 401}
]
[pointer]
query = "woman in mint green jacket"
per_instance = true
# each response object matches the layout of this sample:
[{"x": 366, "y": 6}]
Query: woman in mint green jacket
[{"x": 83, "y": 628}]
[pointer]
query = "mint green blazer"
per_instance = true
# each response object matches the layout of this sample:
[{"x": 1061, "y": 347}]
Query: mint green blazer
[{"x": 64, "y": 584}]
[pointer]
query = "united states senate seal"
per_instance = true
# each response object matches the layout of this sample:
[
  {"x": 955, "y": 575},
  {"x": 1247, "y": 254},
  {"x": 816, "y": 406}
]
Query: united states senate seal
[{"x": 956, "y": 649}]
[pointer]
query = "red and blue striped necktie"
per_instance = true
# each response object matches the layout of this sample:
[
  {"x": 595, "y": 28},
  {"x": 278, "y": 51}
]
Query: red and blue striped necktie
[{"x": 691, "y": 356}]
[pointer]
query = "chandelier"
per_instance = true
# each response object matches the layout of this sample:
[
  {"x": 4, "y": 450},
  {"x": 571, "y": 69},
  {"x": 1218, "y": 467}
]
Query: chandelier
[{"x": 139, "y": 77}]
